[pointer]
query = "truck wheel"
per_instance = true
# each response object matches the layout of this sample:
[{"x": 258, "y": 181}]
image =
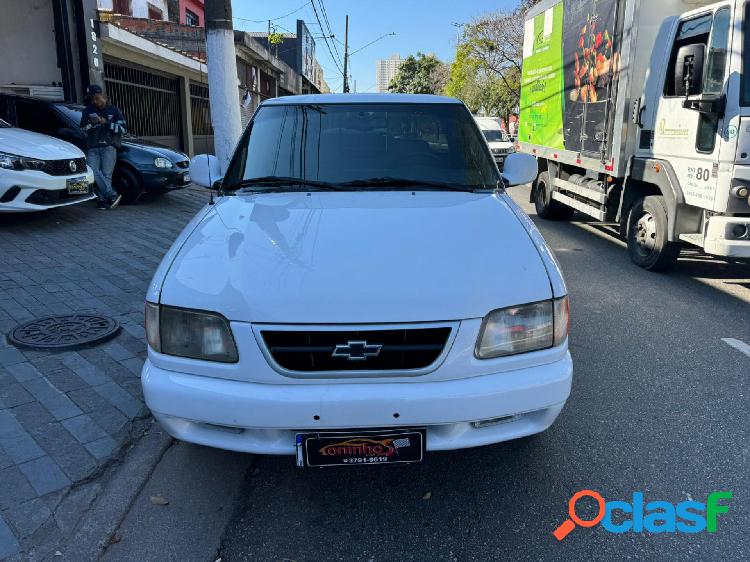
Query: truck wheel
[
  {"x": 128, "y": 184},
  {"x": 647, "y": 235},
  {"x": 545, "y": 206}
]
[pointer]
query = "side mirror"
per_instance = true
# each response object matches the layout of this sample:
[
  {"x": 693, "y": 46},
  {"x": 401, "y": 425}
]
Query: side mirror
[
  {"x": 519, "y": 168},
  {"x": 205, "y": 171},
  {"x": 688, "y": 70}
]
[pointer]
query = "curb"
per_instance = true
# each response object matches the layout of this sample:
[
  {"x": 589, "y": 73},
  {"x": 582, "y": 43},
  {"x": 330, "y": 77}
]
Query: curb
[{"x": 100, "y": 522}]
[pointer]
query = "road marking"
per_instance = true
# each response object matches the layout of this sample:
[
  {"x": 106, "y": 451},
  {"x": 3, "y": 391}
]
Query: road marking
[{"x": 740, "y": 346}]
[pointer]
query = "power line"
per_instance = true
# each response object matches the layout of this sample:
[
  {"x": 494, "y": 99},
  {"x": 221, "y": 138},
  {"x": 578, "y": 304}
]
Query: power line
[
  {"x": 325, "y": 39},
  {"x": 328, "y": 23},
  {"x": 371, "y": 42},
  {"x": 276, "y": 18}
]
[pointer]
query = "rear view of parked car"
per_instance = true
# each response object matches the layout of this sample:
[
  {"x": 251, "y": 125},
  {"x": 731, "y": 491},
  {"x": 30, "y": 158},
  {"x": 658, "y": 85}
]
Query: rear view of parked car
[
  {"x": 38, "y": 172},
  {"x": 142, "y": 166}
]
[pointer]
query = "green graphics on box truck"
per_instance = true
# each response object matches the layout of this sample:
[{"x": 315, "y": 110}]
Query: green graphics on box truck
[
  {"x": 570, "y": 67},
  {"x": 541, "y": 120}
]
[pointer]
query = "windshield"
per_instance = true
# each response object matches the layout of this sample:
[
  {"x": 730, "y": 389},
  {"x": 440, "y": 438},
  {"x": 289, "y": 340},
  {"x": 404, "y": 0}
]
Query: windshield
[
  {"x": 364, "y": 146},
  {"x": 495, "y": 135},
  {"x": 4, "y": 125},
  {"x": 72, "y": 112}
]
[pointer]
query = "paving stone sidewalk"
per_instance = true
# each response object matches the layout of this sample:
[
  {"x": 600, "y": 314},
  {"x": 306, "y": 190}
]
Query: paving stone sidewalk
[{"x": 65, "y": 415}]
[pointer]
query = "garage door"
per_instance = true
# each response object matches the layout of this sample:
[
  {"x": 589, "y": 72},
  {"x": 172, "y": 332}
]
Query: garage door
[{"x": 150, "y": 102}]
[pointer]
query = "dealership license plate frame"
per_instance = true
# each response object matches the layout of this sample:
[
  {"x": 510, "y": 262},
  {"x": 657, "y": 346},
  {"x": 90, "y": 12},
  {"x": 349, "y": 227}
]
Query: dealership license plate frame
[
  {"x": 77, "y": 186},
  {"x": 414, "y": 454}
]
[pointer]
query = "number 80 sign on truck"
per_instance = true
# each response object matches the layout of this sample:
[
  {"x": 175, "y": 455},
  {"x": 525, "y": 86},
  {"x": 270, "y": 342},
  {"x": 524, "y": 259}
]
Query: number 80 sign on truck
[{"x": 639, "y": 113}]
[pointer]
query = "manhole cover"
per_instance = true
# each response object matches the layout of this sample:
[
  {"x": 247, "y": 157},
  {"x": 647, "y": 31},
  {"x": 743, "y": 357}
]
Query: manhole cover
[{"x": 68, "y": 331}]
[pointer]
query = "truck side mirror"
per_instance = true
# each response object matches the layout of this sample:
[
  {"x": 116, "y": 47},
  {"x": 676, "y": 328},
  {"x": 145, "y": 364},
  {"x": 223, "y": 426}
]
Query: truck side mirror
[{"x": 688, "y": 70}]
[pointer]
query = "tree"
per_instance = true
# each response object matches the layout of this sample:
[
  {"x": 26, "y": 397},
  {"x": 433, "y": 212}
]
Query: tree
[
  {"x": 481, "y": 90},
  {"x": 486, "y": 73},
  {"x": 420, "y": 74}
]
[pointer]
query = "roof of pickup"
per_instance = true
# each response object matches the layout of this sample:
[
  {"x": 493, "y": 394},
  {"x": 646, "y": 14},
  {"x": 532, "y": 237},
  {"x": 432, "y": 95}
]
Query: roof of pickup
[{"x": 359, "y": 98}]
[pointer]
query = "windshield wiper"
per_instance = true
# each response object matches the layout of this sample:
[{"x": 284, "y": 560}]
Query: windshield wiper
[
  {"x": 409, "y": 183},
  {"x": 280, "y": 181}
]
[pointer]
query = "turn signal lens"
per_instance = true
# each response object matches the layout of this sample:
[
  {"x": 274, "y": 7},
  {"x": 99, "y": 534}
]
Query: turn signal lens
[
  {"x": 562, "y": 320},
  {"x": 152, "y": 326}
]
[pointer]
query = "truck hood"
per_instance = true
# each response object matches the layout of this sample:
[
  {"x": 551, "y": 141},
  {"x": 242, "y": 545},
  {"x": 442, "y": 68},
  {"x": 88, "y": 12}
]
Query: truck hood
[
  {"x": 361, "y": 257},
  {"x": 35, "y": 145}
]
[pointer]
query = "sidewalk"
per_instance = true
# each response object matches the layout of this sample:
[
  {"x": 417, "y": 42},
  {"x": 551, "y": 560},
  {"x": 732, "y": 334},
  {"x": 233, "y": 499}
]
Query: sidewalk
[{"x": 65, "y": 416}]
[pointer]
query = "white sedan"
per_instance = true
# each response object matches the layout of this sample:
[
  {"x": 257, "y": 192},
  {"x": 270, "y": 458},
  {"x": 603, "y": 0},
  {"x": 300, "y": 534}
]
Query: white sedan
[
  {"x": 39, "y": 172},
  {"x": 362, "y": 290}
]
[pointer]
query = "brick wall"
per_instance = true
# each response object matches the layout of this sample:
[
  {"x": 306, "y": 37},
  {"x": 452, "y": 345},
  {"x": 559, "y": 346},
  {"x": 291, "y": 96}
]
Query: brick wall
[{"x": 185, "y": 38}]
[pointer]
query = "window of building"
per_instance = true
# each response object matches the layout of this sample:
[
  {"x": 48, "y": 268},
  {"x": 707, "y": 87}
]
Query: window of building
[
  {"x": 121, "y": 7},
  {"x": 154, "y": 13},
  {"x": 192, "y": 19}
]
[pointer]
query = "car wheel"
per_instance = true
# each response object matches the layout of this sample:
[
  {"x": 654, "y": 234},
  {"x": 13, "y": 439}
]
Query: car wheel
[
  {"x": 546, "y": 207},
  {"x": 647, "y": 235},
  {"x": 127, "y": 183}
]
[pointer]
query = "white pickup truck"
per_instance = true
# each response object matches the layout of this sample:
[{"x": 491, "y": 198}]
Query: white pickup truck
[{"x": 361, "y": 291}]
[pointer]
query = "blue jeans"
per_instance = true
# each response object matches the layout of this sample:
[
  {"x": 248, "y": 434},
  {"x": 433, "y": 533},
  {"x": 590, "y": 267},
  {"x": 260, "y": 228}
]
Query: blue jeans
[{"x": 102, "y": 161}]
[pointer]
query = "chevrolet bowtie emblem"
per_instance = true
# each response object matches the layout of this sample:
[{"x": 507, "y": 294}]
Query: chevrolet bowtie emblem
[{"x": 357, "y": 350}]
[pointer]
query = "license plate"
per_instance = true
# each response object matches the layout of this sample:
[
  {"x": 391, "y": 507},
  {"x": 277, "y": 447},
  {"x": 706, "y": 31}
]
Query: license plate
[
  {"x": 361, "y": 448},
  {"x": 186, "y": 178},
  {"x": 77, "y": 186}
]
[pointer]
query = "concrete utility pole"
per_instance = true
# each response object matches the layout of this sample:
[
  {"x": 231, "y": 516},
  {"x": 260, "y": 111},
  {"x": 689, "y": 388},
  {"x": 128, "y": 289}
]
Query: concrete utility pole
[
  {"x": 346, "y": 57},
  {"x": 223, "y": 92}
]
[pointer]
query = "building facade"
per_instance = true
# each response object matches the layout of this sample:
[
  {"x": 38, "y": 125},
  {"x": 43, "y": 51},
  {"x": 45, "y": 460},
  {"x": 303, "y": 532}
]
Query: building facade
[
  {"x": 191, "y": 13},
  {"x": 151, "y": 9},
  {"x": 154, "y": 68},
  {"x": 297, "y": 50},
  {"x": 385, "y": 71}
]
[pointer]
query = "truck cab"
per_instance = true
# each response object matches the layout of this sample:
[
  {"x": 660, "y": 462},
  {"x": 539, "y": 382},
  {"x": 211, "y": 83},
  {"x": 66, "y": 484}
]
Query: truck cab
[
  {"x": 654, "y": 124},
  {"x": 696, "y": 119}
]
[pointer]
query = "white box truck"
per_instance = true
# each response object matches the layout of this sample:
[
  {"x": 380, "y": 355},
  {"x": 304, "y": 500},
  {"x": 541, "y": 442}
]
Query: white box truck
[{"x": 638, "y": 112}]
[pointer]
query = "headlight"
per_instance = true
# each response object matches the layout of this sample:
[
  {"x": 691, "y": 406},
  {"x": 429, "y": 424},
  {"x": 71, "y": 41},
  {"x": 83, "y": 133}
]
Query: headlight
[
  {"x": 162, "y": 162},
  {"x": 14, "y": 162},
  {"x": 524, "y": 328},
  {"x": 189, "y": 333},
  {"x": 10, "y": 161}
]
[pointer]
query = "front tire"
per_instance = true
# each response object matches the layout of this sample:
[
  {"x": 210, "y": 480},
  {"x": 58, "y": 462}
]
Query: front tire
[
  {"x": 546, "y": 207},
  {"x": 128, "y": 184},
  {"x": 648, "y": 245}
]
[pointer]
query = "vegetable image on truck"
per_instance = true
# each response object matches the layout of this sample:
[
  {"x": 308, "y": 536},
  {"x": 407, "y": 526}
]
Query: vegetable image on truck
[{"x": 639, "y": 114}]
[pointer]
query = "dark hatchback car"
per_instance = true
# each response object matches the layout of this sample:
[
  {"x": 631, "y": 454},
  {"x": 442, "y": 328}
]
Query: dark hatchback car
[{"x": 142, "y": 166}]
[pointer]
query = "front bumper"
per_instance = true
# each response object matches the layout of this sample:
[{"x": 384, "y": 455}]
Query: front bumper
[
  {"x": 720, "y": 241},
  {"x": 32, "y": 190},
  {"x": 264, "y": 418},
  {"x": 164, "y": 179}
]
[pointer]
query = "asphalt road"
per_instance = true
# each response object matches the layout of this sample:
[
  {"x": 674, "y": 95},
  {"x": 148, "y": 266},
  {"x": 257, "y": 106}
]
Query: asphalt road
[{"x": 659, "y": 406}]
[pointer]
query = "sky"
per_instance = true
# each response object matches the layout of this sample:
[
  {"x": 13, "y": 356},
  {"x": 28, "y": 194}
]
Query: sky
[{"x": 428, "y": 26}]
